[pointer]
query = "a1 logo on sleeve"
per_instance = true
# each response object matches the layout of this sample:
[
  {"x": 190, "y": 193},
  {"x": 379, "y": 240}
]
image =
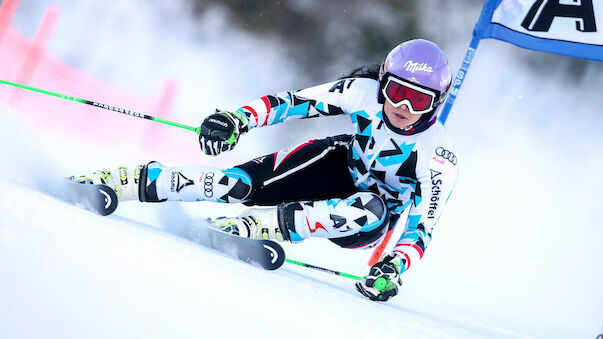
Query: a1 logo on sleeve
[
  {"x": 341, "y": 85},
  {"x": 443, "y": 155}
]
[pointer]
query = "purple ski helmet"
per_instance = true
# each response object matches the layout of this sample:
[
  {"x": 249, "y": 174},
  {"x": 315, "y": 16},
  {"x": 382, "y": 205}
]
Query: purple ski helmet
[{"x": 415, "y": 73}]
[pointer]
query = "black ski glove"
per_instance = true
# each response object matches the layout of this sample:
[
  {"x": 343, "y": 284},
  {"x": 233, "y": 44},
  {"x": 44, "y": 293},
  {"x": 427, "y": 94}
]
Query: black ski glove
[
  {"x": 220, "y": 131},
  {"x": 383, "y": 280}
]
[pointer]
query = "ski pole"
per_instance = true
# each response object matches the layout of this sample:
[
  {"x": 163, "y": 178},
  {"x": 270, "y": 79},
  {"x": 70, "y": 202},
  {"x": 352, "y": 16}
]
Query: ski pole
[
  {"x": 322, "y": 269},
  {"x": 107, "y": 107},
  {"x": 380, "y": 284}
]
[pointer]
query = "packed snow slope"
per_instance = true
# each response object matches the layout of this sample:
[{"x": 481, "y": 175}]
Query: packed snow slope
[
  {"x": 516, "y": 254},
  {"x": 71, "y": 274}
]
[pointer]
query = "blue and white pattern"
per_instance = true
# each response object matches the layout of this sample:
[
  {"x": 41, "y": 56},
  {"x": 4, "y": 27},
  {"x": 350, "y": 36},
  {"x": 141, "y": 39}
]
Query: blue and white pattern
[
  {"x": 200, "y": 183},
  {"x": 363, "y": 214},
  {"x": 406, "y": 171}
]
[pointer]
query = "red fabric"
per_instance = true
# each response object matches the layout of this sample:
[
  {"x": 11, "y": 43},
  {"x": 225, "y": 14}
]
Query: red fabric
[
  {"x": 255, "y": 114},
  {"x": 267, "y": 103},
  {"x": 415, "y": 247}
]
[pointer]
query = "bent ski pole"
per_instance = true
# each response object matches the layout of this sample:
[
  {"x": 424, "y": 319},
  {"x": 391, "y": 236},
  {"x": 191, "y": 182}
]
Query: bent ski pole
[
  {"x": 107, "y": 107},
  {"x": 322, "y": 269}
]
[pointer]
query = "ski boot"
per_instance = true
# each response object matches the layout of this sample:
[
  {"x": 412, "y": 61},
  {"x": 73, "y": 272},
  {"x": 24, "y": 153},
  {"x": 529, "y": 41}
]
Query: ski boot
[
  {"x": 122, "y": 181},
  {"x": 254, "y": 223}
]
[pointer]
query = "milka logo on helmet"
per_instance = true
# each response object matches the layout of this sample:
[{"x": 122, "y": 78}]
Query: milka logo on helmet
[{"x": 417, "y": 67}]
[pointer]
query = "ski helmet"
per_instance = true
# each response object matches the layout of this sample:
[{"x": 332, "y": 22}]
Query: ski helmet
[{"x": 415, "y": 73}]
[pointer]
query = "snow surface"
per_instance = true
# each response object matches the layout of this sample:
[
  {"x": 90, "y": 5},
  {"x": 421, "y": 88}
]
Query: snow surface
[{"x": 517, "y": 253}]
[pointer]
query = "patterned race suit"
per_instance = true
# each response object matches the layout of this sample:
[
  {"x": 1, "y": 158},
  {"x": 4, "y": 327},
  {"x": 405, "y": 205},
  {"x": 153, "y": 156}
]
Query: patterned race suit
[{"x": 414, "y": 169}]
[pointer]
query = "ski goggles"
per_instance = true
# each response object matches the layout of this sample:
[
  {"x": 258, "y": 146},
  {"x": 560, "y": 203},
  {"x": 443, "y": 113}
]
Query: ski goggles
[{"x": 418, "y": 99}]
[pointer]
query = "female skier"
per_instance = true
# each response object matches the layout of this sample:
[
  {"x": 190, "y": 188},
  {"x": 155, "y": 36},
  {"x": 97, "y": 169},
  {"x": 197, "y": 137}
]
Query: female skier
[{"x": 347, "y": 188}]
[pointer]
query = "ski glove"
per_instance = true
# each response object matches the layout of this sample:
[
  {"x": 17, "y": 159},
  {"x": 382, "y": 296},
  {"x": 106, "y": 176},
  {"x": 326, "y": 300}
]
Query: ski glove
[
  {"x": 220, "y": 131},
  {"x": 383, "y": 280}
]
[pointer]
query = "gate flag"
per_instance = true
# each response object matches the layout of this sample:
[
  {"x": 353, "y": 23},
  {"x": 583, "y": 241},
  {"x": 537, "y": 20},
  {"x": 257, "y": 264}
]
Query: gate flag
[{"x": 569, "y": 27}]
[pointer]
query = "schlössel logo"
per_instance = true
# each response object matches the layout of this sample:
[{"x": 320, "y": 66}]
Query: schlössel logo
[
  {"x": 179, "y": 181},
  {"x": 435, "y": 193}
]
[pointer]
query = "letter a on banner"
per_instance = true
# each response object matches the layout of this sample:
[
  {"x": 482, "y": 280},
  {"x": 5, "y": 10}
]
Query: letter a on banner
[{"x": 542, "y": 13}]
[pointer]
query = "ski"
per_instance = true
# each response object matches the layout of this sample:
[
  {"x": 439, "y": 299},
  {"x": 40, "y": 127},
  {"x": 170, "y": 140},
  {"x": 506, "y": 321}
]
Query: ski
[
  {"x": 264, "y": 253},
  {"x": 100, "y": 199}
]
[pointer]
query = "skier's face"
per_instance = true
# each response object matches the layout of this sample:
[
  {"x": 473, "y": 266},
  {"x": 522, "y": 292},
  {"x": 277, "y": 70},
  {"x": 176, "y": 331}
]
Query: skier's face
[{"x": 400, "y": 116}]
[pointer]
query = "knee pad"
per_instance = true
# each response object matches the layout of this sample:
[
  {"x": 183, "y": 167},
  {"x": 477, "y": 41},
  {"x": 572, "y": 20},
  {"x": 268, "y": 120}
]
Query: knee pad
[
  {"x": 374, "y": 204},
  {"x": 373, "y": 230},
  {"x": 361, "y": 218}
]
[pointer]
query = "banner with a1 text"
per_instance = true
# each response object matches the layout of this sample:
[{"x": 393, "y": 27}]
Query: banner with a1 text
[{"x": 569, "y": 27}]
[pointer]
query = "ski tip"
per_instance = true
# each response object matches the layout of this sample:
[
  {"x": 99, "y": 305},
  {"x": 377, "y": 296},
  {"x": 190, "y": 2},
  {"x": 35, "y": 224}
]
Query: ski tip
[
  {"x": 110, "y": 200},
  {"x": 276, "y": 255},
  {"x": 96, "y": 198}
]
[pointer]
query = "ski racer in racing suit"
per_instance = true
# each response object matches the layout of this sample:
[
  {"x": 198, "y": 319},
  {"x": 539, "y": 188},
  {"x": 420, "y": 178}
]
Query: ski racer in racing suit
[{"x": 348, "y": 188}]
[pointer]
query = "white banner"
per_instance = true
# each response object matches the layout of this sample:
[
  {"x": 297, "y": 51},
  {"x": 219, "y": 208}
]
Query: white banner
[{"x": 569, "y": 27}]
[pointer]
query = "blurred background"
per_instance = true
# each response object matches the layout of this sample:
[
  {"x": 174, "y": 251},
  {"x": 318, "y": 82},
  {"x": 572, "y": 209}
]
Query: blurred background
[
  {"x": 325, "y": 39},
  {"x": 519, "y": 246}
]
